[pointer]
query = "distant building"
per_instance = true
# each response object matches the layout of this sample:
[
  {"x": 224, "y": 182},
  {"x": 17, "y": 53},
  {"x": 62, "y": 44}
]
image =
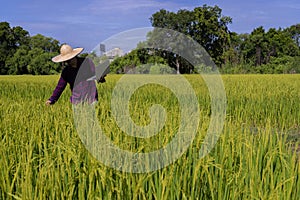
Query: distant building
[
  {"x": 113, "y": 53},
  {"x": 102, "y": 49}
]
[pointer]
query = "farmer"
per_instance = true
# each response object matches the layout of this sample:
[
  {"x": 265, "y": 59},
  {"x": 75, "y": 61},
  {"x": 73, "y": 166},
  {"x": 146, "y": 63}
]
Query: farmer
[{"x": 76, "y": 73}]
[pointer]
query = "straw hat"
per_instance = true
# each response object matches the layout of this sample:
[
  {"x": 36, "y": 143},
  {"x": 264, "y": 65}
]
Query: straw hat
[{"x": 66, "y": 53}]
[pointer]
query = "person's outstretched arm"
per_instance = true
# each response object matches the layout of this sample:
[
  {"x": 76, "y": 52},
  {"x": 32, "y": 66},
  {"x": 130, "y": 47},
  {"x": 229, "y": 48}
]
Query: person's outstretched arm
[{"x": 61, "y": 85}]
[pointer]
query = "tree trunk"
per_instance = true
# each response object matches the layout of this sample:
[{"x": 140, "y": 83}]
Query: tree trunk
[
  {"x": 177, "y": 66},
  {"x": 258, "y": 56}
]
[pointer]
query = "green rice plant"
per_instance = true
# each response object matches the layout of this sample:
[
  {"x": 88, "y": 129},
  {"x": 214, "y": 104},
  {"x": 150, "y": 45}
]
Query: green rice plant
[{"x": 43, "y": 157}]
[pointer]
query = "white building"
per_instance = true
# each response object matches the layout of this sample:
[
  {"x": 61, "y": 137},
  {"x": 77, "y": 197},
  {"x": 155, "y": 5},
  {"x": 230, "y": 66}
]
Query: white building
[{"x": 113, "y": 53}]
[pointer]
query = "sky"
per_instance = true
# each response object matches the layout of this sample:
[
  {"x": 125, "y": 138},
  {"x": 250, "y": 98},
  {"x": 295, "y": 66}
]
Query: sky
[{"x": 86, "y": 23}]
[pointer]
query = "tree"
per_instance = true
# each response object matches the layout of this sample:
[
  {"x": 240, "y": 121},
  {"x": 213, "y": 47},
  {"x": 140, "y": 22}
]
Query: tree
[
  {"x": 41, "y": 64},
  {"x": 260, "y": 46},
  {"x": 294, "y": 32},
  {"x": 17, "y": 64},
  {"x": 21, "y": 37},
  {"x": 22, "y": 54},
  {"x": 47, "y": 44},
  {"x": 233, "y": 56},
  {"x": 258, "y": 40},
  {"x": 206, "y": 25},
  {"x": 211, "y": 31},
  {"x": 6, "y": 45}
]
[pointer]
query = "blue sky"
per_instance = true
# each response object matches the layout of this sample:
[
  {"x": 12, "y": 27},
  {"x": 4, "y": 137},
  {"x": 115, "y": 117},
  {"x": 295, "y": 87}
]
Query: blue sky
[{"x": 86, "y": 23}]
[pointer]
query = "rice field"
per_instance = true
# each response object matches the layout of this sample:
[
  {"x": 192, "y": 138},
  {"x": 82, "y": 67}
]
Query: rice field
[{"x": 256, "y": 156}]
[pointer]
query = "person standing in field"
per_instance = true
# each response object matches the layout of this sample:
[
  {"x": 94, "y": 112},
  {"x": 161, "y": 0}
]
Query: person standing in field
[{"x": 76, "y": 73}]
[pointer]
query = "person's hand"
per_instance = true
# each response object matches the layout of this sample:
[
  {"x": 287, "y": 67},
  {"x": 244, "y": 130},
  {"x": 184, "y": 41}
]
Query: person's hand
[{"x": 48, "y": 103}]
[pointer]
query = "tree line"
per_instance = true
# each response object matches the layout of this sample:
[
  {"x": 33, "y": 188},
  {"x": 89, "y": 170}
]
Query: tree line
[
  {"x": 261, "y": 51},
  {"x": 21, "y": 53}
]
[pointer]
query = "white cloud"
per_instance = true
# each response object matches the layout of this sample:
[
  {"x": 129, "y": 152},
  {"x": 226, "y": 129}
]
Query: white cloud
[{"x": 126, "y": 6}]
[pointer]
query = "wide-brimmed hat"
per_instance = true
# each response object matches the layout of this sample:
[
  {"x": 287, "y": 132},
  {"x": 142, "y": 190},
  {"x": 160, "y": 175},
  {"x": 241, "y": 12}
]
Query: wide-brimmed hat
[{"x": 66, "y": 53}]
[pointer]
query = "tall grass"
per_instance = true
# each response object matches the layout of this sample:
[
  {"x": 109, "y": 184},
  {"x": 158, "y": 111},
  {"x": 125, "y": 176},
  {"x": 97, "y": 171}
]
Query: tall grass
[{"x": 42, "y": 156}]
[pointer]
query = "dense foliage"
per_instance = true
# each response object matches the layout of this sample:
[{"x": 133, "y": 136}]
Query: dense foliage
[
  {"x": 21, "y": 53},
  {"x": 261, "y": 51}
]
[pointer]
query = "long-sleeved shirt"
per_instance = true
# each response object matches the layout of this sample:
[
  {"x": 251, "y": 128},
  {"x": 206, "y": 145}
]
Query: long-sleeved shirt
[{"x": 82, "y": 90}]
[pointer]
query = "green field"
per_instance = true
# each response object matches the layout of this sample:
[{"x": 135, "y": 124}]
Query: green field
[{"x": 256, "y": 157}]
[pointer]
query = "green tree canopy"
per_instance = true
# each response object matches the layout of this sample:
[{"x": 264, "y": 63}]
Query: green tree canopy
[
  {"x": 22, "y": 54},
  {"x": 10, "y": 40},
  {"x": 206, "y": 25},
  {"x": 261, "y": 51}
]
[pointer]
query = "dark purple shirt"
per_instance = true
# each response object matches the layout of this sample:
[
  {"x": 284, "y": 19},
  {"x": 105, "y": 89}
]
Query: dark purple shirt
[{"x": 82, "y": 90}]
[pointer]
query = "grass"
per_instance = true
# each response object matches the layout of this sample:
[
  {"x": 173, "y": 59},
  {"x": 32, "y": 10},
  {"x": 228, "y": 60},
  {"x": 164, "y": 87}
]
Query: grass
[{"x": 42, "y": 156}]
